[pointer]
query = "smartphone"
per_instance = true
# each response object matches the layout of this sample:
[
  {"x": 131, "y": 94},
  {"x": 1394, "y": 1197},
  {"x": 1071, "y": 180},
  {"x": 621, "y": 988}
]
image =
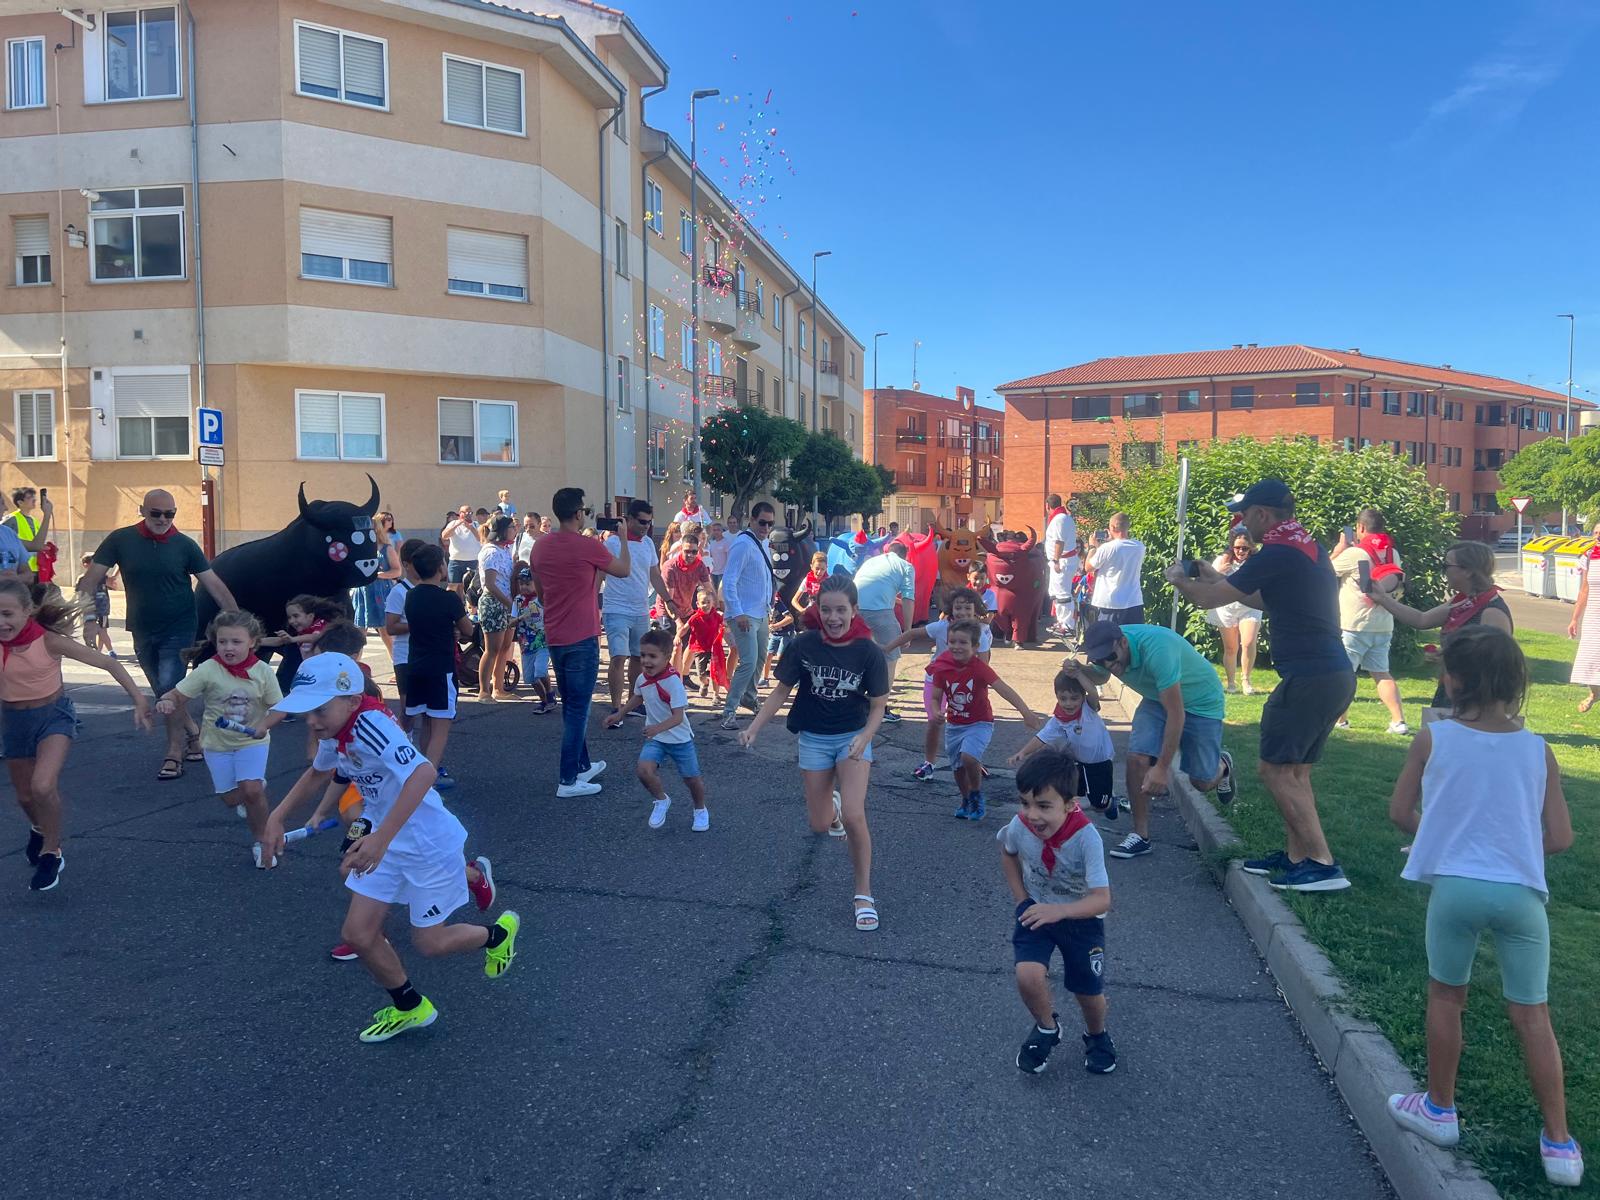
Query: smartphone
[
  {"x": 44, "y": 493},
  {"x": 608, "y": 524},
  {"x": 1191, "y": 568},
  {"x": 1350, "y": 534},
  {"x": 1364, "y": 576}
]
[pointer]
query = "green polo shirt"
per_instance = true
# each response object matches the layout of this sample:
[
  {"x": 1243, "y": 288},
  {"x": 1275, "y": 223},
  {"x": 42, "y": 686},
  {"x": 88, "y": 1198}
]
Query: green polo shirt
[
  {"x": 1159, "y": 658},
  {"x": 156, "y": 579}
]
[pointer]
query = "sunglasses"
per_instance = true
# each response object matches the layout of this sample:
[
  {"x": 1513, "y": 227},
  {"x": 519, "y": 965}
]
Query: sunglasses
[
  {"x": 766, "y": 524},
  {"x": 588, "y": 512},
  {"x": 161, "y": 514},
  {"x": 1103, "y": 663}
]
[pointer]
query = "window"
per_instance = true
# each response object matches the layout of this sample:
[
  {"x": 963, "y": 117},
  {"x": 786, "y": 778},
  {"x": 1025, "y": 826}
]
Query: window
[
  {"x": 349, "y": 247},
  {"x": 850, "y": 428},
  {"x": 804, "y": 342},
  {"x": 36, "y": 424},
  {"x": 152, "y": 412},
  {"x": 1366, "y": 396},
  {"x": 478, "y": 431},
  {"x": 658, "y": 332},
  {"x": 1308, "y": 393},
  {"x": 761, "y": 385},
  {"x": 1415, "y": 405},
  {"x": 339, "y": 425},
  {"x": 777, "y": 314},
  {"x": 1085, "y": 458},
  {"x": 482, "y": 95},
  {"x": 1433, "y": 405},
  {"x": 1394, "y": 446},
  {"x": 1141, "y": 404},
  {"x": 1433, "y": 452},
  {"x": 31, "y": 236},
  {"x": 1189, "y": 400},
  {"x": 141, "y": 53},
  {"x": 622, "y": 248},
  {"x": 137, "y": 234},
  {"x": 713, "y": 358},
  {"x": 1350, "y": 396},
  {"x": 761, "y": 298},
  {"x": 1349, "y": 443},
  {"x": 1455, "y": 501},
  {"x": 1416, "y": 452},
  {"x": 686, "y": 346},
  {"x": 827, "y": 355},
  {"x": 1141, "y": 454},
  {"x": 25, "y": 73},
  {"x": 336, "y": 65},
  {"x": 777, "y": 396},
  {"x": 487, "y": 264},
  {"x": 655, "y": 453},
  {"x": 1242, "y": 397},
  {"x": 1089, "y": 408},
  {"x": 685, "y": 234},
  {"x": 1391, "y": 403},
  {"x": 1541, "y": 422},
  {"x": 1561, "y": 422},
  {"x": 624, "y": 385},
  {"x": 1488, "y": 460},
  {"x": 653, "y": 216},
  {"x": 1485, "y": 502},
  {"x": 1188, "y": 445}
]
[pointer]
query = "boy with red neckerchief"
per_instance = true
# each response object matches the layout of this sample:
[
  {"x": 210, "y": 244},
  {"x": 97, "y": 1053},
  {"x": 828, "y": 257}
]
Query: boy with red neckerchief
[
  {"x": 1055, "y": 865},
  {"x": 964, "y": 680},
  {"x": 412, "y": 854},
  {"x": 668, "y": 733},
  {"x": 1077, "y": 727}
]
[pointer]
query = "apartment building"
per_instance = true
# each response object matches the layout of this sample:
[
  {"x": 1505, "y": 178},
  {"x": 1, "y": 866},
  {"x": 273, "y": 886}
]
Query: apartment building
[
  {"x": 946, "y": 455},
  {"x": 1456, "y": 426},
  {"x": 404, "y": 237}
]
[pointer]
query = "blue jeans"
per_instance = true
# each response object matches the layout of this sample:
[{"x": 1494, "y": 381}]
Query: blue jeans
[
  {"x": 577, "y": 668},
  {"x": 750, "y": 646}
]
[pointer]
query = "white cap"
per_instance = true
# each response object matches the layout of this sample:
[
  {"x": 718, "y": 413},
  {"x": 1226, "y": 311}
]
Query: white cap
[{"x": 319, "y": 679}]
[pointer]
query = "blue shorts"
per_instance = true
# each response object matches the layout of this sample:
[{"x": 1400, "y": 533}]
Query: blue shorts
[
  {"x": 459, "y": 568},
  {"x": 682, "y": 754},
  {"x": 1200, "y": 745},
  {"x": 1082, "y": 943},
  {"x": 623, "y": 632},
  {"x": 971, "y": 739},
  {"x": 777, "y": 642},
  {"x": 535, "y": 664},
  {"x": 824, "y": 751},
  {"x": 161, "y": 659},
  {"x": 22, "y": 729}
]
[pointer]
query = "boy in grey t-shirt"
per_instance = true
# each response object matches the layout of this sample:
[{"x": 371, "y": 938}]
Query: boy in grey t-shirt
[{"x": 1054, "y": 862}]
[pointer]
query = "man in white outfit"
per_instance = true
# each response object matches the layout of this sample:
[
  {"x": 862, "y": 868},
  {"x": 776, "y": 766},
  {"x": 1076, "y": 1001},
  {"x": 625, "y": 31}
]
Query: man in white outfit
[
  {"x": 1118, "y": 595},
  {"x": 1061, "y": 551}
]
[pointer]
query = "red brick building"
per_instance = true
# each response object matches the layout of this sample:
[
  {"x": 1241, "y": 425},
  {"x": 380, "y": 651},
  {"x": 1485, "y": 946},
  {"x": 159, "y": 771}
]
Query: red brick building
[
  {"x": 1456, "y": 425},
  {"x": 945, "y": 454}
]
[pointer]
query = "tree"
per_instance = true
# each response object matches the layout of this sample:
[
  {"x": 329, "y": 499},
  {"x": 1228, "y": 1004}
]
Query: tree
[
  {"x": 743, "y": 449},
  {"x": 1533, "y": 471}
]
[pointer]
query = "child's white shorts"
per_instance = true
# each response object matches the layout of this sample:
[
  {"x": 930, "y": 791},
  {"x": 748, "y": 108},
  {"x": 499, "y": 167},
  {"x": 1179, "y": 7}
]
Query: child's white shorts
[
  {"x": 230, "y": 768},
  {"x": 433, "y": 884}
]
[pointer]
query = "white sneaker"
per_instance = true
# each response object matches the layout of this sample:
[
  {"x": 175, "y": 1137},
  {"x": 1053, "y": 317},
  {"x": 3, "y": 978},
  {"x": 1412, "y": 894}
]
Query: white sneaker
[
  {"x": 595, "y": 768},
  {"x": 1399, "y": 727},
  {"x": 238, "y": 811},
  {"x": 255, "y": 853},
  {"x": 702, "y": 820},
  {"x": 582, "y": 787},
  {"x": 658, "y": 813}
]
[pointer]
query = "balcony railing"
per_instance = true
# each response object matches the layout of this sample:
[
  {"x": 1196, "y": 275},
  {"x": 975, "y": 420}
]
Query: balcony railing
[
  {"x": 721, "y": 386},
  {"x": 746, "y": 396},
  {"x": 910, "y": 437},
  {"x": 748, "y": 301},
  {"x": 828, "y": 368},
  {"x": 718, "y": 278},
  {"x": 907, "y": 479}
]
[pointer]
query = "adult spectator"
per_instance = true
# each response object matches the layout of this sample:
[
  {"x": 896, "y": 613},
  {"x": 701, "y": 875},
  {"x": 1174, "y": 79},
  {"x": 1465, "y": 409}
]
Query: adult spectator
[
  {"x": 747, "y": 591},
  {"x": 13, "y": 555},
  {"x": 1180, "y": 709},
  {"x": 1292, "y": 581},
  {"x": 33, "y": 531},
  {"x": 880, "y": 581},
  {"x": 686, "y": 574},
  {"x": 716, "y": 551},
  {"x": 367, "y": 603},
  {"x": 1239, "y": 624},
  {"x": 460, "y": 539},
  {"x": 527, "y": 538},
  {"x": 1585, "y": 626},
  {"x": 894, "y": 529},
  {"x": 565, "y": 568},
  {"x": 156, "y": 562},
  {"x": 1364, "y": 627},
  {"x": 1061, "y": 552},
  {"x": 495, "y": 573},
  {"x": 1116, "y": 561},
  {"x": 691, "y": 514},
  {"x": 626, "y": 614}
]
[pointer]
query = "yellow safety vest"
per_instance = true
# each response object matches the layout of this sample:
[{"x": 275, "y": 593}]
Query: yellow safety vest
[{"x": 27, "y": 530}]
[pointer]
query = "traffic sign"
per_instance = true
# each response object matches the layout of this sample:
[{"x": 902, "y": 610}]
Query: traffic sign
[
  {"x": 211, "y": 427},
  {"x": 1520, "y": 503},
  {"x": 210, "y": 456}
]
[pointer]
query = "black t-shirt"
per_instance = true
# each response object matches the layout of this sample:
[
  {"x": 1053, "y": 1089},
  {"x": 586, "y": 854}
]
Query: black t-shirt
[
  {"x": 1301, "y": 601},
  {"x": 833, "y": 684},
  {"x": 432, "y": 613},
  {"x": 156, "y": 579}
]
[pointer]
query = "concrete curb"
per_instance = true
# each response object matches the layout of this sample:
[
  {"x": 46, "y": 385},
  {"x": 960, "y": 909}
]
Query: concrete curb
[{"x": 1364, "y": 1066}]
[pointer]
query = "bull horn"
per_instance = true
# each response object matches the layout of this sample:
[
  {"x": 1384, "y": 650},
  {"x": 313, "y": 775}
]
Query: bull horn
[
  {"x": 303, "y": 512},
  {"x": 1033, "y": 537},
  {"x": 370, "y": 508},
  {"x": 803, "y": 533},
  {"x": 987, "y": 543}
]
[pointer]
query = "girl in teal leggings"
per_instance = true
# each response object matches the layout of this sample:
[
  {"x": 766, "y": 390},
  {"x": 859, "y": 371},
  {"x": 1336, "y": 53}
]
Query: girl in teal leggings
[{"x": 1491, "y": 808}]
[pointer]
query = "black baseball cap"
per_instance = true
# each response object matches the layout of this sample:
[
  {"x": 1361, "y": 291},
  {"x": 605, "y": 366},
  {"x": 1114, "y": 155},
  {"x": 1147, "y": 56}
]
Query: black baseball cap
[
  {"x": 1274, "y": 493},
  {"x": 1100, "y": 640}
]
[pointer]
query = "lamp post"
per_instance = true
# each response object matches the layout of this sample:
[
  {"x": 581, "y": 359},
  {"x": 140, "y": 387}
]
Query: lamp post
[
  {"x": 815, "y": 505},
  {"x": 876, "y": 453},
  {"x": 694, "y": 275},
  {"x": 1566, "y": 425}
]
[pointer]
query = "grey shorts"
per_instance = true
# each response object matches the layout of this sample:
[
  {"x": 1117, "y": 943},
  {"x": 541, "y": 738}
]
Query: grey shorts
[
  {"x": 22, "y": 729},
  {"x": 885, "y": 628}
]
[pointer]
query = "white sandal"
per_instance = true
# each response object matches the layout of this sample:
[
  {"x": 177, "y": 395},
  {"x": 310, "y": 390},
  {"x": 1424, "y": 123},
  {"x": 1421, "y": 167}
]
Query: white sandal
[
  {"x": 837, "y": 828},
  {"x": 867, "y": 916}
]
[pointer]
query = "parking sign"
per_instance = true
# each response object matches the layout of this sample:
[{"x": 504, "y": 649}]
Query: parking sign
[{"x": 210, "y": 426}]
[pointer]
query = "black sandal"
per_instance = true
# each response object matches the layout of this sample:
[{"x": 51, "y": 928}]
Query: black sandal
[
  {"x": 192, "y": 751},
  {"x": 171, "y": 769}
]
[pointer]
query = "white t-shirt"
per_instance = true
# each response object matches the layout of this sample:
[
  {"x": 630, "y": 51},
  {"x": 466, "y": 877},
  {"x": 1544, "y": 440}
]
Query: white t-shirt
[
  {"x": 939, "y": 631},
  {"x": 524, "y": 548},
  {"x": 698, "y": 517},
  {"x": 464, "y": 544},
  {"x": 1080, "y": 863},
  {"x": 657, "y": 710},
  {"x": 1062, "y": 531},
  {"x": 630, "y": 596},
  {"x": 717, "y": 552},
  {"x": 1116, "y": 574},
  {"x": 1086, "y": 736},
  {"x": 396, "y": 604},
  {"x": 379, "y": 760},
  {"x": 497, "y": 559}
]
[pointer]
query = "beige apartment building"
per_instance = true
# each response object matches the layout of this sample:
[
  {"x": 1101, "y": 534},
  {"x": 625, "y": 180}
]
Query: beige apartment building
[{"x": 404, "y": 237}]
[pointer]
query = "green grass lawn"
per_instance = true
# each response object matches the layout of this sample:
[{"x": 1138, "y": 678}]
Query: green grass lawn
[{"x": 1373, "y": 932}]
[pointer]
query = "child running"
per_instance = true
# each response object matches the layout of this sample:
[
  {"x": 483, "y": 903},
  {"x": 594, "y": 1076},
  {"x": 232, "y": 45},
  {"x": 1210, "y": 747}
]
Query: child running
[
  {"x": 782, "y": 627},
  {"x": 842, "y": 679},
  {"x": 962, "y": 604},
  {"x": 394, "y": 622},
  {"x": 238, "y": 690},
  {"x": 307, "y": 616},
  {"x": 964, "y": 681},
  {"x": 413, "y": 852},
  {"x": 1055, "y": 865},
  {"x": 805, "y": 596},
  {"x": 1076, "y": 727},
  {"x": 436, "y": 619},
  {"x": 668, "y": 734},
  {"x": 1491, "y": 809},
  {"x": 38, "y": 720},
  {"x": 701, "y": 638}
]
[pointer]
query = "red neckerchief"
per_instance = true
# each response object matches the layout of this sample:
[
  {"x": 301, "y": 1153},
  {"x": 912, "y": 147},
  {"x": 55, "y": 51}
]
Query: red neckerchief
[
  {"x": 683, "y": 563},
  {"x": 661, "y": 689},
  {"x": 945, "y": 664},
  {"x": 1379, "y": 548},
  {"x": 368, "y": 704},
  {"x": 1053, "y": 514},
  {"x": 1064, "y": 716},
  {"x": 1291, "y": 533},
  {"x": 813, "y": 583},
  {"x": 1074, "y": 822},
  {"x": 242, "y": 671},
  {"x": 1464, "y": 607},
  {"x": 27, "y": 635},
  {"x": 1593, "y": 552},
  {"x": 315, "y": 627},
  {"x": 858, "y": 628},
  {"x": 150, "y": 535}
]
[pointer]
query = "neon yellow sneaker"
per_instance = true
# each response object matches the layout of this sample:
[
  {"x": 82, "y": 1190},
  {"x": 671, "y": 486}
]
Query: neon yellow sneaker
[
  {"x": 497, "y": 962},
  {"x": 387, "y": 1022}
]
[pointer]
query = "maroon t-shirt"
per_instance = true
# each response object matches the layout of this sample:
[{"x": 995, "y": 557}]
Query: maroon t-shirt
[{"x": 566, "y": 565}]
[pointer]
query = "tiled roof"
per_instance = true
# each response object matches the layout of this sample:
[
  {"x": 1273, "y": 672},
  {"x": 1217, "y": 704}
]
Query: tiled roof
[{"x": 1266, "y": 360}]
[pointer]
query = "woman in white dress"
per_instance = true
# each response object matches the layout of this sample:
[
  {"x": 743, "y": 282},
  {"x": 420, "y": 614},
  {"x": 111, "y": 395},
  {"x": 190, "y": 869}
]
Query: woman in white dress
[
  {"x": 1239, "y": 624},
  {"x": 1585, "y": 626}
]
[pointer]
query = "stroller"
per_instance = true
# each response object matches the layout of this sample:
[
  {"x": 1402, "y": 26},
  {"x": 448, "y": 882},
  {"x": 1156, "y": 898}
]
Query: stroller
[{"x": 469, "y": 654}]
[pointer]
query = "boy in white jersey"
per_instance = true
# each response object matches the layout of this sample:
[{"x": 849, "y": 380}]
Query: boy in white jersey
[
  {"x": 1076, "y": 727},
  {"x": 412, "y": 853}
]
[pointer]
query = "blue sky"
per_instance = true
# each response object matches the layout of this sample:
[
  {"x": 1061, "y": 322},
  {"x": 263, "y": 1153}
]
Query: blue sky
[{"x": 1027, "y": 185}]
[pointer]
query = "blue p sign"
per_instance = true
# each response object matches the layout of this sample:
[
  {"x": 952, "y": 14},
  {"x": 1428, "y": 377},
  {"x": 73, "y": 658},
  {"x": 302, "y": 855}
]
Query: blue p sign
[{"x": 210, "y": 426}]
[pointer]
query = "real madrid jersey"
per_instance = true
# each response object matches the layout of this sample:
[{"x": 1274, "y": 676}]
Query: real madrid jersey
[
  {"x": 1085, "y": 736},
  {"x": 378, "y": 761}
]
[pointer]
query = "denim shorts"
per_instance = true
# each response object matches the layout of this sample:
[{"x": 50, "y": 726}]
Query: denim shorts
[
  {"x": 535, "y": 664},
  {"x": 161, "y": 659},
  {"x": 1082, "y": 943},
  {"x": 623, "y": 631},
  {"x": 1200, "y": 745},
  {"x": 971, "y": 739},
  {"x": 22, "y": 729},
  {"x": 823, "y": 751},
  {"x": 459, "y": 568},
  {"x": 682, "y": 754},
  {"x": 778, "y": 642}
]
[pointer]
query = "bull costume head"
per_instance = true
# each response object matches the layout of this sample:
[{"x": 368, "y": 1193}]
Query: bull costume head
[
  {"x": 787, "y": 550},
  {"x": 848, "y": 551},
  {"x": 345, "y": 533},
  {"x": 1017, "y": 573},
  {"x": 957, "y": 556}
]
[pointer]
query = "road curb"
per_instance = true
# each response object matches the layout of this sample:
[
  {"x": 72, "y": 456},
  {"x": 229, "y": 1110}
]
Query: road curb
[{"x": 1364, "y": 1065}]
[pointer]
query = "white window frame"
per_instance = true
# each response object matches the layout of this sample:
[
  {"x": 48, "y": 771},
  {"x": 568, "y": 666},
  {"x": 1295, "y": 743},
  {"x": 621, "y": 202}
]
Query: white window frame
[
  {"x": 657, "y": 328},
  {"x": 686, "y": 346},
  {"x": 35, "y": 397},
  {"x": 345, "y": 262},
  {"x": 12, "y": 82},
  {"x": 624, "y": 375},
  {"x": 761, "y": 298},
  {"x": 685, "y": 233},
  {"x": 485, "y": 294},
  {"x": 342, "y": 98},
  {"x": 713, "y": 357},
  {"x": 484, "y": 67},
  {"x": 105, "y": 55},
  {"x": 622, "y": 247},
  {"x": 383, "y": 426},
  {"x": 119, "y": 373},
  {"x": 134, "y": 213},
  {"x": 477, "y": 433},
  {"x": 777, "y": 315},
  {"x": 653, "y": 200},
  {"x": 18, "y": 256}
]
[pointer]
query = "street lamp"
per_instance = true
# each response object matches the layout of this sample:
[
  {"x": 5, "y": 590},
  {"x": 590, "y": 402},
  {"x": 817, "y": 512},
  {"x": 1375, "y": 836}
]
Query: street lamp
[
  {"x": 1572, "y": 327},
  {"x": 694, "y": 274},
  {"x": 875, "y": 338},
  {"x": 876, "y": 403},
  {"x": 815, "y": 505}
]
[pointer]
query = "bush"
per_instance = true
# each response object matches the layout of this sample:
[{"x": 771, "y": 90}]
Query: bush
[{"x": 1330, "y": 486}]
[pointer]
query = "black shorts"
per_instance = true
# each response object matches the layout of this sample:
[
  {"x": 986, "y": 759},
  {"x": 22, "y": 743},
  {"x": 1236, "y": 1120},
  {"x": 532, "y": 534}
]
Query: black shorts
[
  {"x": 1300, "y": 714},
  {"x": 402, "y": 672},
  {"x": 1096, "y": 780},
  {"x": 433, "y": 693},
  {"x": 1121, "y": 616},
  {"x": 1082, "y": 943}
]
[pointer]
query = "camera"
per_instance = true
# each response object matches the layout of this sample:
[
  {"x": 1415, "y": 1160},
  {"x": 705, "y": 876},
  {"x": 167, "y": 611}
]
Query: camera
[{"x": 608, "y": 524}]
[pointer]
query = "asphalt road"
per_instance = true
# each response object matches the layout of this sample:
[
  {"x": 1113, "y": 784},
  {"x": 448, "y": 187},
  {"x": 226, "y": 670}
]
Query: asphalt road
[{"x": 689, "y": 1014}]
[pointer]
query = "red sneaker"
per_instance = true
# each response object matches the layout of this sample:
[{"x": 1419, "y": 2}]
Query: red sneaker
[
  {"x": 343, "y": 952},
  {"x": 483, "y": 891}
]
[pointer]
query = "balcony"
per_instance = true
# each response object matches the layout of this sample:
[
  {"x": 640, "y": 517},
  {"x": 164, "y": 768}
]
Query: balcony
[
  {"x": 747, "y": 328},
  {"x": 911, "y": 479},
  {"x": 911, "y": 439},
  {"x": 717, "y": 306},
  {"x": 747, "y": 396},
  {"x": 719, "y": 387},
  {"x": 828, "y": 380}
]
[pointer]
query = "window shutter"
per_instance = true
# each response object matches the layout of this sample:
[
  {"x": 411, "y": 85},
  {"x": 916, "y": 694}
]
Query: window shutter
[
  {"x": 502, "y": 99},
  {"x": 32, "y": 235},
  {"x": 463, "y": 91},
  {"x": 363, "y": 68},
  {"x": 488, "y": 258},
  {"x": 455, "y": 418},
  {"x": 152, "y": 395},
  {"x": 363, "y": 418},
  {"x": 319, "y": 59},
  {"x": 346, "y": 235},
  {"x": 319, "y": 413}
]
